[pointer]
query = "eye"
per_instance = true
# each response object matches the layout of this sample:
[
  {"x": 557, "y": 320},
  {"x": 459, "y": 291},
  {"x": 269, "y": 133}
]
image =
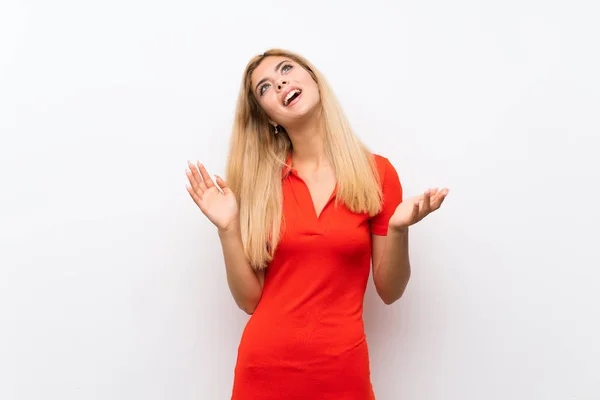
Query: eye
[
  {"x": 284, "y": 69},
  {"x": 263, "y": 88}
]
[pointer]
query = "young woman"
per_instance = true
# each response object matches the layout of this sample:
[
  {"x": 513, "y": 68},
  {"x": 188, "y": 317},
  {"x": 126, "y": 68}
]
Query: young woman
[{"x": 305, "y": 210}]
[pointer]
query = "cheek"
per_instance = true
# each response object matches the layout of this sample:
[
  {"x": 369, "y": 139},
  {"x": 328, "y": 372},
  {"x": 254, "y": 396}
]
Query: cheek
[
  {"x": 312, "y": 86},
  {"x": 314, "y": 93},
  {"x": 269, "y": 104}
]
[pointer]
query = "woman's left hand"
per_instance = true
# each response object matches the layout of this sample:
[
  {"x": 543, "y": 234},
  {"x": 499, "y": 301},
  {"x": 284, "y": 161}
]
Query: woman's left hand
[{"x": 414, "y": 209}]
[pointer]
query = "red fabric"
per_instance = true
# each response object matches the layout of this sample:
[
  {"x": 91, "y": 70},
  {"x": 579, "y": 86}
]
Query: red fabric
[{"x": 306, "y": 338}]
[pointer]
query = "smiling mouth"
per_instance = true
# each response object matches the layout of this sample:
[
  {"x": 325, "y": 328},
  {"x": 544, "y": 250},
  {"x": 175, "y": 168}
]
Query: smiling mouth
[{"x": 291, "y": 96}]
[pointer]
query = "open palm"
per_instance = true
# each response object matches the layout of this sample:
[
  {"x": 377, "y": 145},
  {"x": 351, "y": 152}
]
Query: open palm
[
  {"x": 413, "y": 210},
  {"x": 220, "y": 208}
]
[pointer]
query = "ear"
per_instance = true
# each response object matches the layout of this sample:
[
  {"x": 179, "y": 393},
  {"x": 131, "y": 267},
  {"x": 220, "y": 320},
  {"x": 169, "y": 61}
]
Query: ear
[{"x": 275, "y": 124}]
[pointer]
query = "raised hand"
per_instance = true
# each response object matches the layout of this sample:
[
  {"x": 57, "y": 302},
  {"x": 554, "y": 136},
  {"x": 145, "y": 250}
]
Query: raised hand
[
  {"x": 220, "y": 208},
  {"x": 414, "y": 209}
]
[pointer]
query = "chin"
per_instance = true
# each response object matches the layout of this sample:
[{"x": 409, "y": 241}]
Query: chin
[{"x": 306, "y": 108}]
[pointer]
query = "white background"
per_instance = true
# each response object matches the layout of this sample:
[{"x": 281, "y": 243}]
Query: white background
[{"x": 112, "y": 284}]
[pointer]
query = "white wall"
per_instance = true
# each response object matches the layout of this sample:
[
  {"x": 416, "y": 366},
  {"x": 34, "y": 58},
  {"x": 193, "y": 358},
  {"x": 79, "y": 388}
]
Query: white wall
[{"x": 112, "y": 284}]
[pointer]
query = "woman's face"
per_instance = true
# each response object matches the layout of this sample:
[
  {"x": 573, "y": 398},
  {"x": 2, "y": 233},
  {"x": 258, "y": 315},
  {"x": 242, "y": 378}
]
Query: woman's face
[{"x": 285, "y": 90}]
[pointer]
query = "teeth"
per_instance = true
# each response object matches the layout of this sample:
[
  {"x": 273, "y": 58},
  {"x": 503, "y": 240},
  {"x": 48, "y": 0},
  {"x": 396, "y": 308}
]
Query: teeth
[{"x": 289, "y": 96}]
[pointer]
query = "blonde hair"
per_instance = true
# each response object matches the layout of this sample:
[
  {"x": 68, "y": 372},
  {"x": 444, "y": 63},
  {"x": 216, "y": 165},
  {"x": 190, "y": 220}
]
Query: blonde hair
[{"x": 256, "y": 158}]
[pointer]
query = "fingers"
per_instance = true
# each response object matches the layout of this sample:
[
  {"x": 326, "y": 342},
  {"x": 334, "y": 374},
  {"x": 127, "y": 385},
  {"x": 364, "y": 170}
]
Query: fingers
[
  {"x": 433, "y": 191},
  {"x": 195, "y": 179},
  {"x": 415, "y": 212},
  {"x": 193, "y": 194},
  {"x": 197, "y": 188},
  {"x": 200, "y": 182},
  {"x": 426, "y": 202},
  {"x": 223, "y": 185},
  {"x": 430, "y": 201},
  {"x": 438, "y": 199},
  {"x": 205, "y": 176},
  {"x": 422, "y": 195}
]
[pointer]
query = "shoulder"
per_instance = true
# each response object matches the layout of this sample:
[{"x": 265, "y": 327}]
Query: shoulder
[
  {"x": 379, "y": 159},
  {"x": 383, "y": 165}
]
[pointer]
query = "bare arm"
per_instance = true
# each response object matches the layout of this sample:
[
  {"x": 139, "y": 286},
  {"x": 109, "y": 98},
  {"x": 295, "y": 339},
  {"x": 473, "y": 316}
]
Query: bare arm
[
  {"x": 220, "y": 207},
  {"x": 244, "y": 282},
  {"x": 391, "y": 264}
]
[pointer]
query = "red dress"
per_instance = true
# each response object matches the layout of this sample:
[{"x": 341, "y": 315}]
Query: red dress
[{"x": 306, "y": 338}]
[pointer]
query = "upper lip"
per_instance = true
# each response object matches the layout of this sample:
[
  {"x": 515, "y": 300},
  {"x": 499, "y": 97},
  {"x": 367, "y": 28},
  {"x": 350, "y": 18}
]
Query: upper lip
[{"x": 287, "y": 91}]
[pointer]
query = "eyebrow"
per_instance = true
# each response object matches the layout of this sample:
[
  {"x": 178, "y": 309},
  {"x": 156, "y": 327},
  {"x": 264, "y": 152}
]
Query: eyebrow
[{"x": 274, "y": 69}]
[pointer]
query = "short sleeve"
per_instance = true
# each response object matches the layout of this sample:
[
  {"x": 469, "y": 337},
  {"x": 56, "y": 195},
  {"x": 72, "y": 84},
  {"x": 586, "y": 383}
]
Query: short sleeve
[{"x": 392, "y": 196}]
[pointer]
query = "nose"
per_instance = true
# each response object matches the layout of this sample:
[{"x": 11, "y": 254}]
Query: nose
[{"x": 281, "y": 84}]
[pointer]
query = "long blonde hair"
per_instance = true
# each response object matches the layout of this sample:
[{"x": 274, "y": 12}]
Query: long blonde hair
[{"x": 256, "y": 158}]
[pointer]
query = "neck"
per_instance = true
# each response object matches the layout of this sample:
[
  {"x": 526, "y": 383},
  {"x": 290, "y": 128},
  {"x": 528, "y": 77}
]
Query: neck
[{"x": 308, "y": 140}]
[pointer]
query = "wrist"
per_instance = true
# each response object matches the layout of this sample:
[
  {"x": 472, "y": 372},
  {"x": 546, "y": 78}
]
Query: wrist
[
  {"x": 398, "y": 229},
  {"x": 233, "y": 228}
]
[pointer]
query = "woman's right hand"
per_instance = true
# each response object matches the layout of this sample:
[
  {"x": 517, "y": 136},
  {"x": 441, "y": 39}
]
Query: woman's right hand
[{"x": 220, "y": 208}]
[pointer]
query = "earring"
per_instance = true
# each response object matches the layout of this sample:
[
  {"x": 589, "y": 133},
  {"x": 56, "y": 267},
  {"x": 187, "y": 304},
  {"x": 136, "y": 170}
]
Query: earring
[{"x": 276, "y": 129}]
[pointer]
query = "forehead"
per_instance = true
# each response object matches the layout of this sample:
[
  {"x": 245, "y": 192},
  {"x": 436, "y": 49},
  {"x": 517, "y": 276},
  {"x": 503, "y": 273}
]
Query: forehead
[{"x": 266, "y": 68}]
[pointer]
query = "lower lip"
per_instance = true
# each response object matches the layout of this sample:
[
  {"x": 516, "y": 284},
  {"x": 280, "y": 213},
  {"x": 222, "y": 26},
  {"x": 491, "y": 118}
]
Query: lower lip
[{"x": 295, "y": 100}]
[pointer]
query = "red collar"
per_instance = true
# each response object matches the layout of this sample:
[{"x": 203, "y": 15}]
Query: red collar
[{"x": 287, "y": 169}]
